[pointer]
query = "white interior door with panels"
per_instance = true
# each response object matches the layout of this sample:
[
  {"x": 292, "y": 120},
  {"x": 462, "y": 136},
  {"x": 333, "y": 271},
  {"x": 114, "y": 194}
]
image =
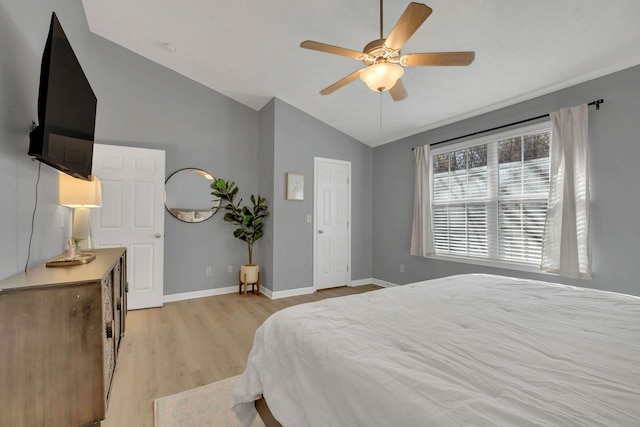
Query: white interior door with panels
[
  {"x": 332, "y": 233},
  {"x": 132, "y": 216}
]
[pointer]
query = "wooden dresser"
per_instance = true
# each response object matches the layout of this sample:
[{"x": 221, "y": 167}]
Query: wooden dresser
[{"x": 60, "y": 329}]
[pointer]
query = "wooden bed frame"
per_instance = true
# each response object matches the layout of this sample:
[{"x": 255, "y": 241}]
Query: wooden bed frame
[{"x": 265, "y": 413}]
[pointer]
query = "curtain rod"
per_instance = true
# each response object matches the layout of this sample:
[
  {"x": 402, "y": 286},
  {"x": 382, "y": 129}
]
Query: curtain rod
[{"x": 596, "y": 103}]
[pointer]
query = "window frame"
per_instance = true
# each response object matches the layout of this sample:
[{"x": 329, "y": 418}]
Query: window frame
[{"x": 543, "y": 126}]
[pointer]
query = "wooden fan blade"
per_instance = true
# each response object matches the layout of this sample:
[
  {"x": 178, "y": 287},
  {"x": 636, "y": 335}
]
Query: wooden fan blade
[
  {"x": 397, "y": 91},
  {"x": 342, "y": 82},
  {"x": 323, "y": 47},
  {"x": 440, "y": 58},
  {"x": 414, "y": 15}
]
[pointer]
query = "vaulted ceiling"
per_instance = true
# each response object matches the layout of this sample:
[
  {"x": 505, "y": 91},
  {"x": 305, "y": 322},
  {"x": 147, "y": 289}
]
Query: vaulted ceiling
[{"x": 250, "y": 51}]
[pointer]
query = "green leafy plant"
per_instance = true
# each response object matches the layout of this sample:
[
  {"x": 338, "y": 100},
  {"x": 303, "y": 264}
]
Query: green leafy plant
[
  {"x": 76, "y": 242},
  {"x": 248, "y": 219}
]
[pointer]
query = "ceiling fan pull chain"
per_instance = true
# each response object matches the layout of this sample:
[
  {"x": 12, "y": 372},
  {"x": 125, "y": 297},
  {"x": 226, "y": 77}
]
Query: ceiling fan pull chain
[{"x": 380, "y": 109}]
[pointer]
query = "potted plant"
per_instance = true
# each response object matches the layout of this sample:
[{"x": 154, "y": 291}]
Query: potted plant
[{"x": 248, "y": 219}]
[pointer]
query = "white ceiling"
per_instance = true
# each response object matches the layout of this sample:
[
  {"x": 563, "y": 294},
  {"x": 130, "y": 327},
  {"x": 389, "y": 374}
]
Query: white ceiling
[{"x": 249, "y": 51}]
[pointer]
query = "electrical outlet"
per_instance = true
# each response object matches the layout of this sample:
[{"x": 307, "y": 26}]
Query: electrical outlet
[
  {"x": 229, "y": 268},
  {"x": 208, "y": 271},
  {"x": 308, "y": 219},
  {"x": 401, "y": 268}
]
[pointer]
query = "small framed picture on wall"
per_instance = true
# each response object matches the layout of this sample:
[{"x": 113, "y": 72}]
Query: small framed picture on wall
[{"x": 295, "y": 186}]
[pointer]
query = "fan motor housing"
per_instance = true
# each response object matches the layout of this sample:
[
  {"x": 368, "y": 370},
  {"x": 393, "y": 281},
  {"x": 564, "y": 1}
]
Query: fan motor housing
[{"x": 377, "y": 51}]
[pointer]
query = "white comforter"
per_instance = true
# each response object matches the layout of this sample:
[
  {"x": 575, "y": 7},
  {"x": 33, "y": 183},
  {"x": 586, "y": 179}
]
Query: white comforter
[{"x": 465, "y": 350}]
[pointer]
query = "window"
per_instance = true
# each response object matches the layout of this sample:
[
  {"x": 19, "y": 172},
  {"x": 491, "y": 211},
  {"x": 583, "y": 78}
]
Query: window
[{"x": 489, "y": 196}]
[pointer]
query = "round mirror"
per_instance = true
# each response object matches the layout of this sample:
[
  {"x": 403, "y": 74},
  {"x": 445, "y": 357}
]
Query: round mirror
[{"x": 188, "y": 195}]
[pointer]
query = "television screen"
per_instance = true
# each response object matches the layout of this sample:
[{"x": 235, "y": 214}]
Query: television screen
[{"x": 66, "y": 109}]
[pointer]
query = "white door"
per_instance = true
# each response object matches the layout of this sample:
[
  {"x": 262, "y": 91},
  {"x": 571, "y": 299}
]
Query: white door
[
  {"x": 332, "y": 236},
  {"x": 132, "y": 216}
]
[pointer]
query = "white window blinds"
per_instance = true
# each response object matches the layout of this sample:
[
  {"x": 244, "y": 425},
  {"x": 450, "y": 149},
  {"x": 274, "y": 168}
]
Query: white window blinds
[{"x": 489, "y": 196}]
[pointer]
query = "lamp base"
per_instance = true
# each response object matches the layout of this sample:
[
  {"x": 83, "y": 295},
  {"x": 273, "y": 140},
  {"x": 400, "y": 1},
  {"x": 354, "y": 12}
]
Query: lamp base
[{"x": 81, "y": 230}]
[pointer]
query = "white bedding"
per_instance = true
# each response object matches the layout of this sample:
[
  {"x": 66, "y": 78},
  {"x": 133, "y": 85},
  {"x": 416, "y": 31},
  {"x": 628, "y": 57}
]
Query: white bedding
[{"x": 465, "y": 350}]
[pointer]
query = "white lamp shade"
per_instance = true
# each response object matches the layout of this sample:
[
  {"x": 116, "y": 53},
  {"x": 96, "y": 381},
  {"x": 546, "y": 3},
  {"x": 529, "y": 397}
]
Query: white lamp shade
[
  {"x": 78, "y": 193},
  {"x": 382, "y": 76}
]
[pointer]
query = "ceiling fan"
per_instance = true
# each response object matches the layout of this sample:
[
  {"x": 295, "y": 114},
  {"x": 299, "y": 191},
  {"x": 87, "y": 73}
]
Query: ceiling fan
[{"x": 384, "y": 64}]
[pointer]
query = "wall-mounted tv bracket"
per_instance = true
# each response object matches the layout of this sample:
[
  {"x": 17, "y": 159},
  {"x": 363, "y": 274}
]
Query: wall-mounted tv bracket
[{"x": 33, "y": 127}]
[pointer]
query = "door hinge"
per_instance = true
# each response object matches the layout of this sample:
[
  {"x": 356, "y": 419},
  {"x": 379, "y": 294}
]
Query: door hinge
[{"x": 347, "y": 268}]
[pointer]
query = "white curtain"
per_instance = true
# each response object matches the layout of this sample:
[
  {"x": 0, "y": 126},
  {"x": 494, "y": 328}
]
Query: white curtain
[
  {"x": 421, "y": 236},
  {"x": 566, "y": 246}
]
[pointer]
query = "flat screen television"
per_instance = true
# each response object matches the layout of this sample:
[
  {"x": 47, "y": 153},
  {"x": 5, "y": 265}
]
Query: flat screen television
[{"x": 64, "y": 136}]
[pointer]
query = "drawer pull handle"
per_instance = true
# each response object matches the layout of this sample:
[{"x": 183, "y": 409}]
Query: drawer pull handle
[
  {"x": 109, "y": 329},
  {"x": 119, "y": 304}
]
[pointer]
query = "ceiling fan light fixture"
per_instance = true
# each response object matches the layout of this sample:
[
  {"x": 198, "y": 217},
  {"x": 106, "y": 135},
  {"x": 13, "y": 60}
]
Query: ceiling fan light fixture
[{"x": 382, "y": 76}]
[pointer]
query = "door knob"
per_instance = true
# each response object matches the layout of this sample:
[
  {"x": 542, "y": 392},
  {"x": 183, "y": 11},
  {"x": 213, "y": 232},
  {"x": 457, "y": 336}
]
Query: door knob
[
  {"x": 320, "y": 231},
  {"x": 158, "y": 235}
]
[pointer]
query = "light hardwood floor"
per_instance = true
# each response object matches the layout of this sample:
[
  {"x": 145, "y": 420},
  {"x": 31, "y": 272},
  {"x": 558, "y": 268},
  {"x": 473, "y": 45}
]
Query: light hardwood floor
[{"x": 187, "y": 344}]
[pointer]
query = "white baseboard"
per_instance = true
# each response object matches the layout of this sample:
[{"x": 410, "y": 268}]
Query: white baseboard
[
  {"x": 361, "y": 282},
  {"x": 289, "y": 293},
  {"x": 383, "y": 283},
  {"x": 267, "y": 292},
  {"x": 199, "y": 294},
  {"x": 232, "y": 289}
]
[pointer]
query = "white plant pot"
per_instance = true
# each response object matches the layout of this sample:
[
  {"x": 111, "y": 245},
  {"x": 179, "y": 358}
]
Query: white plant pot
[{"x": 251, "y": 272}]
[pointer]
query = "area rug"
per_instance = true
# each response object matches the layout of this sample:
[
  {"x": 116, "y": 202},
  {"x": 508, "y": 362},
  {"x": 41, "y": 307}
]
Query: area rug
[{"x": 205, "y": 406}]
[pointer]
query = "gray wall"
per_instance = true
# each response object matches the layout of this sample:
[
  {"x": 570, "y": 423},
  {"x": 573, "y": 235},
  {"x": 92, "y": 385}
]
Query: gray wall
[
  {"x": 142, "y": 104},
  {"x": 615, "y": 191},
  {"x": 19, "y": 76},
  {"x": 263, "y": 249},
  {"x": 139, "y": 104},
  {"x": 298, "y": 139},
  {"x": 145, "y": 105}
]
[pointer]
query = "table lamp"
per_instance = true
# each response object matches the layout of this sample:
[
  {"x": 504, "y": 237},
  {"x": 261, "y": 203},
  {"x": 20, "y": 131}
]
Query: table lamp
[{"x": 80, "y": 195}]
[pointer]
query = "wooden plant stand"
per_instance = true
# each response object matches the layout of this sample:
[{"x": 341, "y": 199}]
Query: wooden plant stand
[{"x": 242, "y": 282}]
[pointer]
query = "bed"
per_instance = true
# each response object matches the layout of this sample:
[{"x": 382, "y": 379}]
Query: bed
[{"x": 461, "y": 350}]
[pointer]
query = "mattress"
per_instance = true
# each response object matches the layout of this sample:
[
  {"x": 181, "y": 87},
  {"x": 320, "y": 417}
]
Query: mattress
[{"x": 463, "y": 350}]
